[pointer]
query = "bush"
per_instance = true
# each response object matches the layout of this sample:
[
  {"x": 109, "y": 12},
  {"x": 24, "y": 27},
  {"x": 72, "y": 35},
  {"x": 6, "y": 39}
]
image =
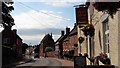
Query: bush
[{"x": 49, "y": 49}]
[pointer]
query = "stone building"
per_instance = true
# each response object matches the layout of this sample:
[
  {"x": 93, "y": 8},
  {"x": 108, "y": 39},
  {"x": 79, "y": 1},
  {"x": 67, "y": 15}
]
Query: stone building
[{"x": 107, "y": 35}]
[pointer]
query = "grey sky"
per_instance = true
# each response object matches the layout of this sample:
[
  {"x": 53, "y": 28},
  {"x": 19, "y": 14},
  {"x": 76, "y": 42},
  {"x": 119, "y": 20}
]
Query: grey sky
[{"x": 55, "y": 31}]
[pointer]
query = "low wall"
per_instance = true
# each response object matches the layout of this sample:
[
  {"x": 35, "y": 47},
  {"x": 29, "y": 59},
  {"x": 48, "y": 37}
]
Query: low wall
[{"x": 51, "y": 54}]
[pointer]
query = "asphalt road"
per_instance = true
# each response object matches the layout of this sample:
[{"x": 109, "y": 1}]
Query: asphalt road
[{"x": 41, "y": 63}]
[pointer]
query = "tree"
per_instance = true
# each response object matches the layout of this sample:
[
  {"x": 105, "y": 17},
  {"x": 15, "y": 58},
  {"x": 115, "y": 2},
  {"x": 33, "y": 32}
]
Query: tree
[
  {"x": 7, "y": 20},
  {"x": 49, "y": 49}
]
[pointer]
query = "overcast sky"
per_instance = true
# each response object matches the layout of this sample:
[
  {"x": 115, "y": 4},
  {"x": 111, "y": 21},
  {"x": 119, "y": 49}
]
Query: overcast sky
[{"x": 35, "y": 18}]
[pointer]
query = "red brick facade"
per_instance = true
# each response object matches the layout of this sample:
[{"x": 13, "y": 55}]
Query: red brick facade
[
  {"x": 70, "y": 41},
  {"x": 47, "y": 41}
]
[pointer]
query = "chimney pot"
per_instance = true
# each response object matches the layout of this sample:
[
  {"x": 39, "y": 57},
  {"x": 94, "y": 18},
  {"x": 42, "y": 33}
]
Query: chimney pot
[
  {"x": 62, "y": 33},
  {"x": 15, "y": 31},
  {"x": 75, "y": 24},
  {"x": 67, "y": 31},
  {"x": 51, "y": 34}
]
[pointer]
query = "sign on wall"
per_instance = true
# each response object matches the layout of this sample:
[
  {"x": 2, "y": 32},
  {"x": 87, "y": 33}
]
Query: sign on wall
[{"x": 81, "y": 15}]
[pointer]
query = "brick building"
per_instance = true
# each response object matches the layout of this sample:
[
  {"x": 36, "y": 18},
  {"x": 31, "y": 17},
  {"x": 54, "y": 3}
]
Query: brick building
[
  {"x": 68, "y": 43},
  {"x": 47, "y": 41},
  {"x": 11, "y": 45},
  {"x": 59, "y": 44}
]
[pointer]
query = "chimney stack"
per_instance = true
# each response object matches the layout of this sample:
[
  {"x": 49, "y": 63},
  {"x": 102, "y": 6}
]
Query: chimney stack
[
  {"x": 62, "y": 33},
  {"x": 75, "y": 24},
  {"x": 15, "y": 31},
  {"x": 51, "y": 34},
  {"x": 67, "y": 31}
]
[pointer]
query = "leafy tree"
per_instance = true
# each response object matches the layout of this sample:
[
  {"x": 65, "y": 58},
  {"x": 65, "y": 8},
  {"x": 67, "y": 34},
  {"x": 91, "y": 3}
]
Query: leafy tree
[
  {"x": 49, "y": 49},
  {"x": 7, "y": 20}
]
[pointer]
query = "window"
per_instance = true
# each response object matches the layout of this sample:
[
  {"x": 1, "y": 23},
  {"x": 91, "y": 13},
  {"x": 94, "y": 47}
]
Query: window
[
  {"x": 67, "y": 40},
  {"x": 107, "y": 43},
  {"x": 6, "y": 41},
  {"x": 106, "y": 28}
]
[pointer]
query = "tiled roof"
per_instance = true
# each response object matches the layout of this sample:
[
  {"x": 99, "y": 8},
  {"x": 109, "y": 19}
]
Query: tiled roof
[
  {"x": 18, "y": 36},
  {"x": 61, "y": 38},
  {"x": 73, "y": 31},
  {"x": 46, "y": 38},
  {"x": 10, "y": 33}
]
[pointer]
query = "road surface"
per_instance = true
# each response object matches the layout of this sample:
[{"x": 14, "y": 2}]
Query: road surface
[{"x": 41, "y": 63}]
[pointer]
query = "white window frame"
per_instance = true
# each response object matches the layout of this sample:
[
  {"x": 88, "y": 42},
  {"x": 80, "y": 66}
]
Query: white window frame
[{"x": 107, "y": 49}]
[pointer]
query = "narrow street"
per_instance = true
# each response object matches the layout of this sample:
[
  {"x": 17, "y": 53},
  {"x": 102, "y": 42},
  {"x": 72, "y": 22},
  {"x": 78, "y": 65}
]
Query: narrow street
[
  {"x": 39, "y": 62},
  {"x": 60, "y": 33}
]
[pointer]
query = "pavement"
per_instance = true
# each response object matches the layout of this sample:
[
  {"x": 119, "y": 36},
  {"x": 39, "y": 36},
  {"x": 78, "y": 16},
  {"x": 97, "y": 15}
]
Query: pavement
[
  {"x": 51, "y": 62},
  {"x": 63, "y": 62},
  {"x": 66, "y": 62},
  {"x": 23, "y": 61}
]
